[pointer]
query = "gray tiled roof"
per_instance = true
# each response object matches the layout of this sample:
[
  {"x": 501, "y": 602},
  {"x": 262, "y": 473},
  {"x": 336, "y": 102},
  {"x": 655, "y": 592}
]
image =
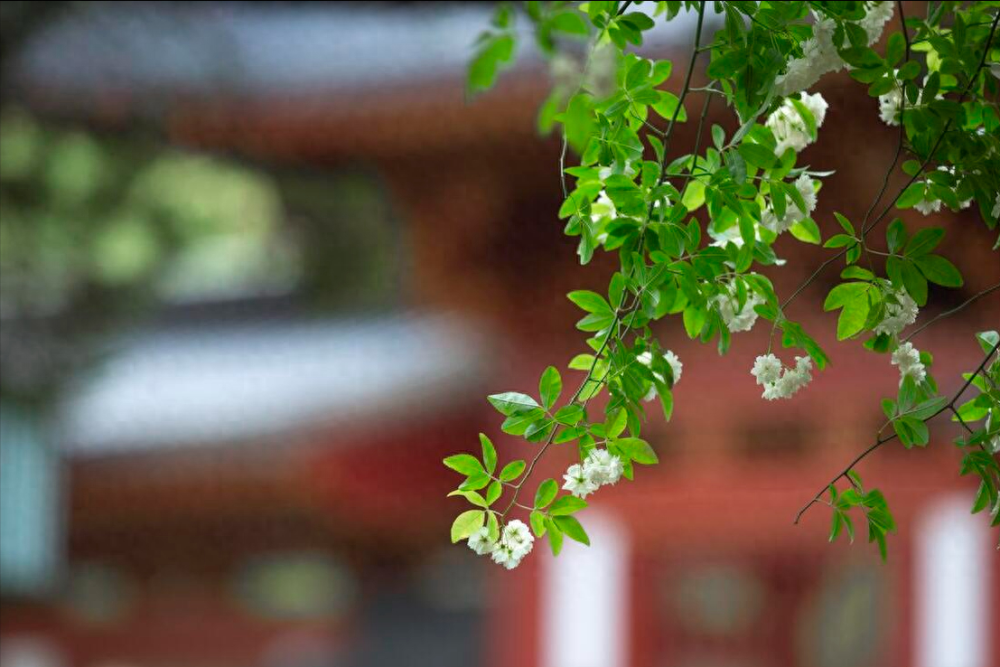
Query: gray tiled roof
[{"x": 234, "y": 383}]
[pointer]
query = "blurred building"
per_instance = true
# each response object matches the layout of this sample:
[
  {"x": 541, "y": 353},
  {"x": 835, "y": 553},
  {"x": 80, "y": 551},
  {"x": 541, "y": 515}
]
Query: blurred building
[{"x": 252, "y": 476}]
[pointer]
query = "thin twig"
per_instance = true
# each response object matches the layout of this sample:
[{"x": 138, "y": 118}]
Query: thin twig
[
  {"x": 881, "y": 441},
  {"x": 952, "y": 311}
]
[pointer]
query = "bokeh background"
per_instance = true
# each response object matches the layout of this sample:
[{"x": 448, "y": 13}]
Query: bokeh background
[{"x": 260, "y": 265}]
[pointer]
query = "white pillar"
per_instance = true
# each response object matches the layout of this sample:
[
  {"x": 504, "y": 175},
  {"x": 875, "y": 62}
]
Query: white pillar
[
  {"x": 585, "y": 601},
  {"x": 954, "y": 561}
]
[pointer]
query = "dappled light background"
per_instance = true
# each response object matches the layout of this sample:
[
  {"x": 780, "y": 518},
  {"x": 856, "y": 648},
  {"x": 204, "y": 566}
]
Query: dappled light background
[{"x": 261, "y": 263}]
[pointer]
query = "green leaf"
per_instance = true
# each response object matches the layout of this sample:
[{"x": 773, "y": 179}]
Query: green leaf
[
  {"x": 570, "y": 415},
  {"x": 728, "y": 64},
  {"x": 807, "y": 117},
  {"x": 840, "y": 241},
  {"x": 592, "y": 302},
  {"x": 494, "y": 491},
  {"x": 546, "y": 493},
  {"x": 914, "y": 282},
  {"x": 518, "y": 424},
  {"x": 471, "y": 496},
  {"x": 895, "y": 49},
  {"x": 512, "y": 403},
  {"x": 512, "y": 470},
  {"x": 569, "y": 22},
  {"x": 988, "y": 340},
  {"x": 758, "y": 155},
  {"x": 555, "y": 536},
  {"x": 638, "y": 73},
  {"x": 572, "y": 528},
  {"x": 837, "y": 525},
  {"x": 939, "y": 270},
  {"x": 489, "y": 453},
  {"x": 493, "y": 526},
  {"x": 913, "y": 194},
  {"x": 537, "y": 520},
  {"x": 466, "y": 464},
  {"x": 550, "y": 387},
  {"x": 923, "y": 242},
  {"x": 567, "y": 505},
  {"x": 806, "y": 230},
  {"x": 895, "y": 235},
  {"x": 669, "y": 106},
  {"x": 845, "y": 223},
  {"x": 484, "y": 67},
  {"x": 466, "y": 524},
  {"x": 638, "y": 450},
  {"x": 475, "y": 481}
]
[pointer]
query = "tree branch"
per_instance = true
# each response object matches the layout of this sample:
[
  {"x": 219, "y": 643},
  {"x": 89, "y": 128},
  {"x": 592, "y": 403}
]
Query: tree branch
[
  {"x": 954, "y": 310},
  {"x": 881, "y": 441},
  {"x": 620, "y": 316}
]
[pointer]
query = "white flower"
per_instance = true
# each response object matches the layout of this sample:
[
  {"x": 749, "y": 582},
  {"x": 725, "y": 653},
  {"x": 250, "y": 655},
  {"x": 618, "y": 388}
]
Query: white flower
[
  {"x": 889, "y": 105},
  {"x": 515, "y": 543},
  {"x": 729, "y": 235},
  {"x": 789, "y": 128},
  {"x": 927, "y": 206},
  {"x": 675, "y": 365},
  {"x": 793, "y": 214},
  {"x": 518, "y": 538},
  {"x": 899, "y": 314},
  {"x": 819, "y": 56},
  {"x": 744, "y": 318},
  {"x": 578, "y": 482},
  {"x": 504, "y": 555},
  {"x": 480, "y": 541},
  {"x": 602, "y": 467},
  {"x": 874, "y": 21},
  {"x": 996, "y": 207},
  {"x": 767, "y": 368},
  {"x": 907, "y": 358},
  {"x": 646, "y": 359}
]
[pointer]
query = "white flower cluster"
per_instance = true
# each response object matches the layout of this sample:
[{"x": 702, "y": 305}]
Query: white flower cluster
[
  {"x": 736, "y": 318},
  {"x": 793, "y": 214},
  {"x": 900, "y": 312},
  {"x": 907, "y": 358},
  {"x": 928, "y": 206},
  {"x": 819, "y": 55},
  {"x": 515, "y": 543},
  {"x": 601, "y": 467},
  {"x": 890, "y": 104},
  {"x": 646, "y": 359},
  {"x": 996, "y": 207},
  {"x": 778, "y": 381},
  {"x": 789, "y": 128}
]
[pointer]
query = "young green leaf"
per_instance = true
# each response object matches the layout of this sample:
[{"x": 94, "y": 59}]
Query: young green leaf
[
  {"x": 567, "y": 505},
  {"x": 489, "y": 453},
  {"x": 466, "y": 524},
  {"x": 572, "y": 528},
  {"x": 550, "y": 387},
  {"x": 546, "y": 493},
  {"x": 512, "y": 470}
]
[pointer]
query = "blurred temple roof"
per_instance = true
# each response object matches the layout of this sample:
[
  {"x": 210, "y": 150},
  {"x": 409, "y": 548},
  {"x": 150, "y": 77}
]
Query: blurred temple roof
[
  {"x": 239, "y": 383},
  {"x": 261, "y": 48}
]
